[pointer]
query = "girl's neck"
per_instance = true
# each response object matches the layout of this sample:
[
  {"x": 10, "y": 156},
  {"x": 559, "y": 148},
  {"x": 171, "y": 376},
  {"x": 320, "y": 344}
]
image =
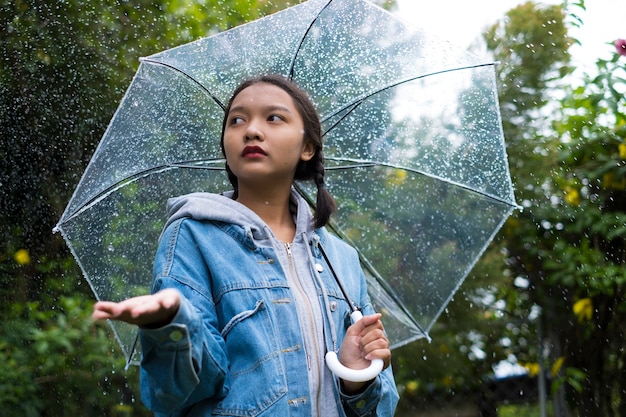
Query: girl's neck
[{"x": 273, "y": 209}]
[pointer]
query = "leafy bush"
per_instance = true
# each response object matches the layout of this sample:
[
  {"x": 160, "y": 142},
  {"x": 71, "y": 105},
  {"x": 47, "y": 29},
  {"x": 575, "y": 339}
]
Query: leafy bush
[{"x": 57, "y": 359}]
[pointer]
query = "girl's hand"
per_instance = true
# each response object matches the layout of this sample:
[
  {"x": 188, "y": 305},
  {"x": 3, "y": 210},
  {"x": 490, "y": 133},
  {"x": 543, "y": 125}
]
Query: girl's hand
[
  {"x": 154, "y": 310},
  {"x": 365, "y": 340}
]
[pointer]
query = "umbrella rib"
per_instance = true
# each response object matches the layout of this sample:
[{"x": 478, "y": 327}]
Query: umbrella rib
[
  {"x": 189, "y": 77},
  {"x": 470, "y": 266},
  {"x": 359, "y": 100},
  {"x": 354, "y": 107},
  {"x": 134, "y": 177},
  {"x": 306, "y": 32},
  {"x": 359, "y": 163},
  {"x": 355, "y": 163}
]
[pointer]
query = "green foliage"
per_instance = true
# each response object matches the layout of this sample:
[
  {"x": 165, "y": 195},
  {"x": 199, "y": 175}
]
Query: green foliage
[
  {"x": 532, "y": 48},
  {"x": 57, "y": 353},
  {"x": 591, "y": 185},
  {"x": 569, "y": 243},
  {"x": 516, "y": 410},
  {"x": 64, "y": 68},
  {"x": 561, "y": 288}
]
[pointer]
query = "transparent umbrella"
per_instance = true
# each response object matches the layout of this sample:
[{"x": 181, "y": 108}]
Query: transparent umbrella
[{"x": 413, "y": 142}]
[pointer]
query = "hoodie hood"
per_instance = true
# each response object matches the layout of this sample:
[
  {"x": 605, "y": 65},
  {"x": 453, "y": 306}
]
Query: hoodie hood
[{"x": 222, "y": 208}]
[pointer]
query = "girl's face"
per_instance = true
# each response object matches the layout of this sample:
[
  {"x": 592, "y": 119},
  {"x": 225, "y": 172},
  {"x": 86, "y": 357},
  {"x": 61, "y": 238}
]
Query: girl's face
[{"x": 264, "y": 135}]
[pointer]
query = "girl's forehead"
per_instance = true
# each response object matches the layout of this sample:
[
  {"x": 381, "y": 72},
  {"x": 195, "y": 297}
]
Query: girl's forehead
[{"x": 262, "y": 94}]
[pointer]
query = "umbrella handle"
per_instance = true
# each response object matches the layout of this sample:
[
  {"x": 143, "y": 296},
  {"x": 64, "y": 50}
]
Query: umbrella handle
[{"x": 353, "y": 375}]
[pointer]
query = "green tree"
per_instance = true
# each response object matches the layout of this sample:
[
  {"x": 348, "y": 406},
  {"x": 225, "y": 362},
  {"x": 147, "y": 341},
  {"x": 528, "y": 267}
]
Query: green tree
[
  {"x": 532, "y": 45},
  {"x": 495, "y": 315},
  {"x": 583, "y": 244},
  {"x": 568, "y": 245},
  {"x": 64, "y": 68}
]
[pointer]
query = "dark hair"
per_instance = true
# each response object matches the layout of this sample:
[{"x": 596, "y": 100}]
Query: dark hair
[{"x": 311, "y": 170}]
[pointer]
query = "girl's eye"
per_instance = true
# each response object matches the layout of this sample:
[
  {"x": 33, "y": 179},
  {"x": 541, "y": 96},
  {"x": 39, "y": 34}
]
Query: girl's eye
[
  {"x": 274, "y": 118},
  {"x": 235, "y": 120}
]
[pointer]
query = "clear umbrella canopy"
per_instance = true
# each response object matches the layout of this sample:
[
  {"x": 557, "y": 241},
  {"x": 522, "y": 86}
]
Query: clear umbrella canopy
[{"x": 413, "y": 141}]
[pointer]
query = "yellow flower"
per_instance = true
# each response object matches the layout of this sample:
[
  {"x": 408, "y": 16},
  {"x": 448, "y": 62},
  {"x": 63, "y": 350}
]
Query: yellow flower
[
  {"x": 412, "y": 387},
  {"x": 22, "y": 257},
  {"x": 572, "y": 197},
  {"x": 583, "y": 308},
  {"x": 397, "y": 177},
  {"x": 556, "y": 367},
  {"x": 609, "y": 181},
  {"x": 533, "y": 368},
  {"x": 622, "y": 150}
]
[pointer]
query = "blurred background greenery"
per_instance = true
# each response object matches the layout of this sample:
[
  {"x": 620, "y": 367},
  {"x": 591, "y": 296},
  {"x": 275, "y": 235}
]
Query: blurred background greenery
[{"x": 547, "y": 298}]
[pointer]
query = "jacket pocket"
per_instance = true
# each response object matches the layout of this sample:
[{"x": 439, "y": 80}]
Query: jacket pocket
[{"x": 256, "y": 371}]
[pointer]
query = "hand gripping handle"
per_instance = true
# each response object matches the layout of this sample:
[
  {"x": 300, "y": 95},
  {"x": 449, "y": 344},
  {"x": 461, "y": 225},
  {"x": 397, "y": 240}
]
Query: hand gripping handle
[{"x": 354, "y": 375}]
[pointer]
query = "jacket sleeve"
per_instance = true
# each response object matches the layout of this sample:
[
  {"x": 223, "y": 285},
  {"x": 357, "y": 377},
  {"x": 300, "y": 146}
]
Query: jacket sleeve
[
  {"x": 185, "y": 361},
  {"x": 379, "y": 399}
]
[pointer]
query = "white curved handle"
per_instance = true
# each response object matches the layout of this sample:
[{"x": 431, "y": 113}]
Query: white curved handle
[{"x": 354, "y": 375}]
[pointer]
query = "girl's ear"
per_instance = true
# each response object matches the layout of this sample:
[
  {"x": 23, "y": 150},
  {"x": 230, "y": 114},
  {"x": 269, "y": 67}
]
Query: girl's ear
[{"x": 308, "y": 151}]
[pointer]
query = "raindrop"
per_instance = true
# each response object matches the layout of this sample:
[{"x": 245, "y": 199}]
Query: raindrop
[
  {"x": 555, "y": 200},
  {"x": 111, "y": 248},
  {"x": 521, "y": 282}
]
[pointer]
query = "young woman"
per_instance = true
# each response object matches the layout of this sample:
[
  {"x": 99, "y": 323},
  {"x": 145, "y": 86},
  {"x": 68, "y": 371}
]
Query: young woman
[{"x": 244, "y": 305}]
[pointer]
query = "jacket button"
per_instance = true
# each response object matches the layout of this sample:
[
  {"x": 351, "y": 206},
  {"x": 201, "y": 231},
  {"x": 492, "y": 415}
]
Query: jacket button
[
  {"x": 176, "y": 335},
  {"x": 333, "y": 305},
  {"x": 319, "y": 267}
]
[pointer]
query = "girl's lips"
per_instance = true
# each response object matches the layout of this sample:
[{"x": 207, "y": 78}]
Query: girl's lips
[{"x": 253, "y": 152}]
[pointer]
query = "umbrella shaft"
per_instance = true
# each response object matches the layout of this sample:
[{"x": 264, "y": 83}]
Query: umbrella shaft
[{"x": 353, "y": 307}]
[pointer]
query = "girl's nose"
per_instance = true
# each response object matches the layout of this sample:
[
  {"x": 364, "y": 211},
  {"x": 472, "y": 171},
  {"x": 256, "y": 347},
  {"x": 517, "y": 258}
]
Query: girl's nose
[{"x": 253, "y": 131}]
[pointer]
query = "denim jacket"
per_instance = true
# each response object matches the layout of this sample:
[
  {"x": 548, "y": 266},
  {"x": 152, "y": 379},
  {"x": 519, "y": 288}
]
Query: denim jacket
[{"x": 242, "y": 344}]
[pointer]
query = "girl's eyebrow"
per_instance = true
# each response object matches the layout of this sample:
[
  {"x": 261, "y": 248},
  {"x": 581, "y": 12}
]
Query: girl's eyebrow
[{"x": 274, "y": 107}]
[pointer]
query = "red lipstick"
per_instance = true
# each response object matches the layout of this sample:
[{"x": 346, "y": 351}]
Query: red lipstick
[{"x": 253, "y": 152}]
